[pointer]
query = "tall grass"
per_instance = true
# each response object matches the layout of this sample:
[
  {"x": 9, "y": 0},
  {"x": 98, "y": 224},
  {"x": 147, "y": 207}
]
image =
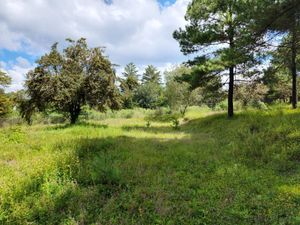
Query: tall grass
[{"x": 113, "y": 169}]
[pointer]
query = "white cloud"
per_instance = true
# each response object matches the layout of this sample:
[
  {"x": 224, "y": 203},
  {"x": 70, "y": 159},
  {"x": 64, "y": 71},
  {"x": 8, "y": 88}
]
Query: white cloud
[
  {"x": 138, "y": 31},
  {"x": 132, "y": 30},
  {"x": 17, "y": 71}
]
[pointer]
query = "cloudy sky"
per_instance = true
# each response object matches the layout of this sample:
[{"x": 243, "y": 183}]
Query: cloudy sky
[{"x": 138, "y": 31}]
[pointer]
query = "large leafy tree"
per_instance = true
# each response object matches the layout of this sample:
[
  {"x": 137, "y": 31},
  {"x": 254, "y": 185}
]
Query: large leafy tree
[
  {"x": 129, "y": 84},
  {"x": 5, "y": 80},
  {"x": 220, "y": 29},
  {"x": 65, "y": 81}
]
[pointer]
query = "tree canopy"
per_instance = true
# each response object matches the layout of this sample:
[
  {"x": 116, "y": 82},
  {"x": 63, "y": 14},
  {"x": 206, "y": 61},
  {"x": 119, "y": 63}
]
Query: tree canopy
[
  {"x": 65, "y": 81},
  {"x": 129, "y": 84},
  {"x": 151, "y": 75},
  {"x": 5, "y": 80},
  {"x": 221, "y": 30}
]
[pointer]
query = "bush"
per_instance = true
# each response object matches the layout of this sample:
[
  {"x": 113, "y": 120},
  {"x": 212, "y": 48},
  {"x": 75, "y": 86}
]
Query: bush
[
  {"x": 164, "y": 115},
  {"x": 259, "y": 105}
]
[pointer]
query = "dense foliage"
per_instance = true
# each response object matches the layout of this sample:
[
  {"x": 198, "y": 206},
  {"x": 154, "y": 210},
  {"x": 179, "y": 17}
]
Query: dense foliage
[
  {"x": 5, "y": 103},
  {"x": 66, "y": 81},
  {"x": 129, "y": 84},
  {"x": 223, "y": 28}
]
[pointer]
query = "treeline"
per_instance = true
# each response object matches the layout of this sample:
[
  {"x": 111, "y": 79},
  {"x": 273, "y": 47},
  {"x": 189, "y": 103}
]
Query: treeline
[{"x": 247, "y": 51}]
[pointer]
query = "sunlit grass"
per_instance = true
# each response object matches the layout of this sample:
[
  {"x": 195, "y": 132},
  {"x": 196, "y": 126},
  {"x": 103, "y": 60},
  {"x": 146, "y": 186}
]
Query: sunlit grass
[{"x": 212, "y": 170}]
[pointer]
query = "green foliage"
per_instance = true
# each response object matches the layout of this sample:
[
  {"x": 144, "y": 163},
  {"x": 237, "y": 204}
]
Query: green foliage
[
  {"x": 151, "y": 75},
  {"x": 223, "y": 30},
  {"x": 5, "y": 102},
  {"x": 245, "y": 170},
  {"x": 251, "y": 94},
  {"x": 205, "y": 86},
  {"x": 283, "y": 16},
  {"x": 136, "y": 113},
  {"x": 129, "y": 85},
  {"x": 278, "y": 75},
  {"x": 179, "y": 94},
  {"x": 5, "y": 80},
  {"x": 66, "y": 81},
  {"x": 149, "y": 95},
  {"x": 278, "y": 83}
]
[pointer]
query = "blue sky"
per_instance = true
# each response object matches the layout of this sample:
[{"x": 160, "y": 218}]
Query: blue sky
[
  {"x": 166, "y": 2},
  {"x": 138, "y": 31}
]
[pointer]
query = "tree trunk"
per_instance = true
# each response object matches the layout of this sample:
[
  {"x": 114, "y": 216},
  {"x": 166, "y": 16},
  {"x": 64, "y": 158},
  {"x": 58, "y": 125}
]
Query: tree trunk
[
  {"x": 231, "y": 77},
  {"x": 230, "y": 92},
  {"x": 74, "y": 113},
  {"x": 294, "y": 69}
]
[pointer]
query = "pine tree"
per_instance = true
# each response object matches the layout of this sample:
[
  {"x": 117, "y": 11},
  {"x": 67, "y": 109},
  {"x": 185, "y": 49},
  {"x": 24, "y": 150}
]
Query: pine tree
[
  {"x": 129, "y": 84},
  {"x": 284, "y": 17},
  {"x": 151, "y": 75},
  {"x": 223, "y": 28}
]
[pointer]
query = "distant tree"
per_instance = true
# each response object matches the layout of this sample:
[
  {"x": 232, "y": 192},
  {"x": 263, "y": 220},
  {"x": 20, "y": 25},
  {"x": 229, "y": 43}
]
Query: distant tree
[
  {"x": 178, "y": 93},
  {"x": 5, "y": 103},
  {"x": 5, "y": 80},
  {"x": 223, "y": 28},
  {"x": 283, "y": 17},
  {"x": 131, "y": 70},
  {"x": 251, "y": 93},
  {"x": 279, "y": 85},
  {"x": 149, "y": 95},
  {"x": 151, "y": 75},
  {"x": 129, "y": 84},
  {"x": 278, "y": 75},
  {"x": 66, "y": 81},
  {"x": 204, "y": 80}
]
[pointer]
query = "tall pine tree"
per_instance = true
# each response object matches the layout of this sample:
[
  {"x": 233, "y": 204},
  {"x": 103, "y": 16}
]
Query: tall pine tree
[
  {"x": 151, "y": 75},
  {"x": 223, "y": 28},
  {"x": 283, "y": 17},
  {"x": 129, "y": 84}
]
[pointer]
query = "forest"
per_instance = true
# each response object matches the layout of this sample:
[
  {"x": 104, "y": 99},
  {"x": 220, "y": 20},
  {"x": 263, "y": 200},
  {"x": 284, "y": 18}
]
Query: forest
[{"x": 212, "y": 140}]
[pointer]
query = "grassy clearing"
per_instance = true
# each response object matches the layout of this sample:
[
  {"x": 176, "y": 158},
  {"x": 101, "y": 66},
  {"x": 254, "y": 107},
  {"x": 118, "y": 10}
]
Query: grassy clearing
[{"x": 118, "y": 171}]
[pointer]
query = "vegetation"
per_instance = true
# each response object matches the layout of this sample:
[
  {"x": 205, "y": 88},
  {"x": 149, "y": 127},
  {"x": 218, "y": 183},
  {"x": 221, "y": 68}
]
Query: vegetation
[
  {"x": 118, "y": 171},
  {"x": 5, "y": 104},
  {"x": 169, "y": 155},
  {"x": 129, "y": 85},
  {"x": 220, "y": 23},
  {"x": 283, "y": 16},
  {"x": 66, "y": 81}
]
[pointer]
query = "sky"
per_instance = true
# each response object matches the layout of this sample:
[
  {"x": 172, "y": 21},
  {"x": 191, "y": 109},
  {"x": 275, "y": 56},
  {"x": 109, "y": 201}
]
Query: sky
[{"x": 138, "y": 31}]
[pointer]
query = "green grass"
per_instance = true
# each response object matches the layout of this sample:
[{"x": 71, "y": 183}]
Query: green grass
[{"x": 118, "y": 171}]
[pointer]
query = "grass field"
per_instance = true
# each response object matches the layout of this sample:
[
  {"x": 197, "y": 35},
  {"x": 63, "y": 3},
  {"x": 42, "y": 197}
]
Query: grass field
[{"x": 119, "y": 171}]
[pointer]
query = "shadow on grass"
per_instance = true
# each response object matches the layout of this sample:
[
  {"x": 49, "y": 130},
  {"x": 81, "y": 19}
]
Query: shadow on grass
[
  {"x": 151, "y": 129},
  {"x": 126, "y": 180},
  {"x": 80, "y": 124}
]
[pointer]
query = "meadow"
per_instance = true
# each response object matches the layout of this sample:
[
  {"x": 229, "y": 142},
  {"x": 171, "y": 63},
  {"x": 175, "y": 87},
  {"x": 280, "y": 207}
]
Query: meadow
[{"x": 117, "y": 168}]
